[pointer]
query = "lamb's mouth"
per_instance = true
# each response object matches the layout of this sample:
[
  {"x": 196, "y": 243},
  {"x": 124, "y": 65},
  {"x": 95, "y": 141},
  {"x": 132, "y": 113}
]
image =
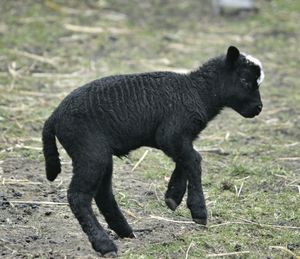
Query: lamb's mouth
[{"x": 251, "y": 114}]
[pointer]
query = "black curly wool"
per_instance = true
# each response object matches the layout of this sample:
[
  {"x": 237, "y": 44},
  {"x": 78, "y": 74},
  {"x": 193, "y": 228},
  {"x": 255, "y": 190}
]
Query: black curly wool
[{"x": 164, "y": 110}]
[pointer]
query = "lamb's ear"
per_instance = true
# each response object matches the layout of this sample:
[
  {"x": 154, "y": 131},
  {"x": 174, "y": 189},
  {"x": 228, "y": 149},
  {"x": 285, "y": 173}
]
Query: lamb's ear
[{"x": 232, "y": 55}]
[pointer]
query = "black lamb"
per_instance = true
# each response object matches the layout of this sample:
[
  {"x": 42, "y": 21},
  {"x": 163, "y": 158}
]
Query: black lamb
[{"x": 163, "y": 110}]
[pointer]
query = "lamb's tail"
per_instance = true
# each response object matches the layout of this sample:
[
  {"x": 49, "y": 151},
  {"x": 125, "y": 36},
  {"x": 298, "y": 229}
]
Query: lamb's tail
[{"x": 50, "y": 150}]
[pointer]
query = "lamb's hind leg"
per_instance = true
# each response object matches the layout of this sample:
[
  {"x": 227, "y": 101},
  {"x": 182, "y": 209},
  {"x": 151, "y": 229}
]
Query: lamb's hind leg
[
  {"x": 108, "y": 206},
  {"x": 88, "y": 173}
]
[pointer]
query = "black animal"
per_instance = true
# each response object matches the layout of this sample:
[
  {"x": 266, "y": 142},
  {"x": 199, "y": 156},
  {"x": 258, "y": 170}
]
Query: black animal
[{"x": 164, "y": 110}]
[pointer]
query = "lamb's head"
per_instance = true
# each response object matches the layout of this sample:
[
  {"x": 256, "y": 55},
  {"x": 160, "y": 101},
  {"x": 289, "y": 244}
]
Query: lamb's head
[{"x": 243, "y": 76}]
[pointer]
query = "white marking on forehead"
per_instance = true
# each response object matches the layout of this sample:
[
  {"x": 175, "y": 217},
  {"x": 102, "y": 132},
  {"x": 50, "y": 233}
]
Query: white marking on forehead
[{"x": 258, "y": 63}]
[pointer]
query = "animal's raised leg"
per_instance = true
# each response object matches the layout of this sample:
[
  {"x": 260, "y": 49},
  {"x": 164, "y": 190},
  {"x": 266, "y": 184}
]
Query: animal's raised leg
[
  {"x": 89, "y": 170},
  {"x": 188, "y": 160},
  {"x": 108, "y": 206},
  {"x": 176, "y": 187}
]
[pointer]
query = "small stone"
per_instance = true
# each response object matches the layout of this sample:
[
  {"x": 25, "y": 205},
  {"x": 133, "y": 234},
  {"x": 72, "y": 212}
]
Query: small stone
[
  {"x": 48, "y": 213},
  {"x": 237, "y": 247},
  {"x": 226, "y": 185}
]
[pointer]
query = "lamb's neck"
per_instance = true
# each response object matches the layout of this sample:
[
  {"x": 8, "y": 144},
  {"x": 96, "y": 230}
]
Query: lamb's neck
[{"x": 206, "y": 80}]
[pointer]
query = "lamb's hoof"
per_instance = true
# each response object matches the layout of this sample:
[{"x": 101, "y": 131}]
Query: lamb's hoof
[
  {"x": 171, "y": 203},
  {"x": 110, "y": 255},
  {"x": 105, "y": 247},
  {"x": 200, "y": 221}
]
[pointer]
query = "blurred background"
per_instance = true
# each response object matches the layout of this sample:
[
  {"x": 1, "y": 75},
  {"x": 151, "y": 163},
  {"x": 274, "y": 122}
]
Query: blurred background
[{"x": 251, "y": 167}]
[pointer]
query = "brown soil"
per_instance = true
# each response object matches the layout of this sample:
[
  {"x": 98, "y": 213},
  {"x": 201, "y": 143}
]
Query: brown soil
[{"x": 31, "y": 229}]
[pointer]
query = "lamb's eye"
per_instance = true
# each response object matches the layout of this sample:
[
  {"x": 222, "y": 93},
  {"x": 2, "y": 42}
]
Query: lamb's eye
[{"x": 245, "y": 83}]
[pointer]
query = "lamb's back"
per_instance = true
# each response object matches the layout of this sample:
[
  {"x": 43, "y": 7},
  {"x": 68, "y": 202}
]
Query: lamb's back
[{"x": 126, "y": 108}]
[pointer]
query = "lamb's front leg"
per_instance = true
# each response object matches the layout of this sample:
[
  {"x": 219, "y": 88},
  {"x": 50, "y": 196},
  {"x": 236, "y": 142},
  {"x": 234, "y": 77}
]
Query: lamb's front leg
[
  {"x": 188, "y": 169},
  {"x": 176, "y": 187},
  {"x": 195, "y": 200}
]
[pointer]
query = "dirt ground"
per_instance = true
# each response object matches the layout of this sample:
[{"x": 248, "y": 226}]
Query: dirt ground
[
  {"x": 50, "y": 230},
  {"x": 251, "y": 167}
]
